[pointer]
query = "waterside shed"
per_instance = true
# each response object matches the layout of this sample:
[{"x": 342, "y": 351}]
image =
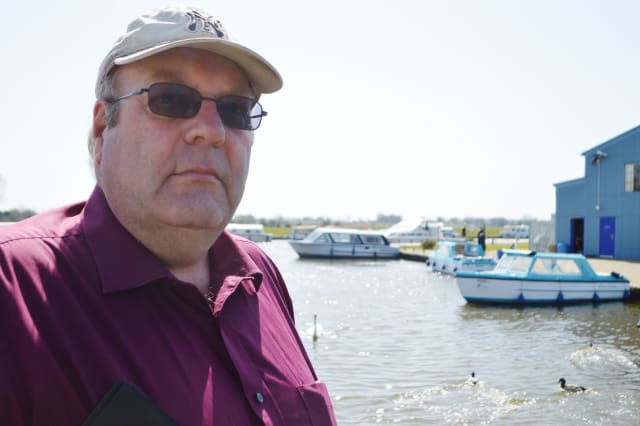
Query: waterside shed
[{"x": 599, "y": 214}]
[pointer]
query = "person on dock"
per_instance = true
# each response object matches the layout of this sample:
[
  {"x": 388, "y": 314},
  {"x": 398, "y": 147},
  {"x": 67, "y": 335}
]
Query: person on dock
[
  {"x": 481, "y": 239},
  {"x": 139, "y": 293}
]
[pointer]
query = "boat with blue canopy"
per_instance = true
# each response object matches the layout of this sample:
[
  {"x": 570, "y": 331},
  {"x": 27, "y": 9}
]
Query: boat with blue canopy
[{"x": 529, "y": 277}]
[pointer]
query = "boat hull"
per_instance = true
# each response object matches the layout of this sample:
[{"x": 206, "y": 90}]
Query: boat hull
[
  {"x": 344, "y": 251},
  {"x": 527, "y": 291}
]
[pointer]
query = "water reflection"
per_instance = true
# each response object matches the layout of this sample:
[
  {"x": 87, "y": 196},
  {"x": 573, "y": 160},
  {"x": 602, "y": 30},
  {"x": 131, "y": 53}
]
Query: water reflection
[{"x": 397, "y": 344}]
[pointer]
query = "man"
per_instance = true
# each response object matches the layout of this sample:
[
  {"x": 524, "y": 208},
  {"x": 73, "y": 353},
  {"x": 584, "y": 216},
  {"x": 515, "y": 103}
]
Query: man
[
  {"x": 140, "y": 290},
  {"x": 481, "y": 238}
]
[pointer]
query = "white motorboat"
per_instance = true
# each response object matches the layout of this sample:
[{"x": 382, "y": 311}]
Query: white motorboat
[
  {"x": 528, "y": 277},
  {"x": 412, "y": 231},
  {"x": 344, "y": 243}
]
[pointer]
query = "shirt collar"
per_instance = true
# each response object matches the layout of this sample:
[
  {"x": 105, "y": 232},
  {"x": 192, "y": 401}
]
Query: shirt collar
[
  {"x": 124, "y": 263},
  {"x": 228, "y": 260}
]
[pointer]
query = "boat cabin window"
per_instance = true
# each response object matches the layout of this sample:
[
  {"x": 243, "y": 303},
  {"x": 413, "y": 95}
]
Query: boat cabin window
[
  {"x": 514, "y": 264},
  {"x": 556, "y": 267},
  {"x": 443, "y": 250},
  {"x": 345, "y": 238},
  {"x": 372, "y": 239},
  {"x": 323, "y": 238},
  {"x": 473, "y": 250}
]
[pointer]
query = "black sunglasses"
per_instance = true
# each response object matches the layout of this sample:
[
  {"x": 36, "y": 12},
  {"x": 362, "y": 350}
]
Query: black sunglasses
[{"x": 179, "y": 101}]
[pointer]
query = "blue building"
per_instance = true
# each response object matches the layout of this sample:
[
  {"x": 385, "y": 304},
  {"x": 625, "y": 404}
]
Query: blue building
[{"x": 599, "y": 214}]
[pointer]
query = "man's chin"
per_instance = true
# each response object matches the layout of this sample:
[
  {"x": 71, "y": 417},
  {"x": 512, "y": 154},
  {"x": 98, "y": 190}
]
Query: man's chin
[{"x": 196, "y": 219}]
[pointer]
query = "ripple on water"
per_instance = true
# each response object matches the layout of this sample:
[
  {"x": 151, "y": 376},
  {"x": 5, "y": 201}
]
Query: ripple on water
[
  {"x": 594, "y": 356},
  {"x": 460, "y": 402}
]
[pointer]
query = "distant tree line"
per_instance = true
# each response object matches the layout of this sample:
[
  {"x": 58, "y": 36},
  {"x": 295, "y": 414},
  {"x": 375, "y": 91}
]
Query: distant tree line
[
  {"x": 382, "y": 220},
  {"x": 15, "y": 215}
]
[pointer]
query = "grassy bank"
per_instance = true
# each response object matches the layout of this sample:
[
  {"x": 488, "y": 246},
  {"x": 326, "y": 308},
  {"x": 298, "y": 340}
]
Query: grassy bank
[{"x": 278, "y": 232}]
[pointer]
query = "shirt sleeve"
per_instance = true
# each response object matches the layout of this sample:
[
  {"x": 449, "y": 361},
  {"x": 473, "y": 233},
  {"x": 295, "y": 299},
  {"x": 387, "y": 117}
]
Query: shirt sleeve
[
  {"x": 274, "y": 277},
  {"x": 10, "y": 407},
  {"x": 282, "y": 288}
]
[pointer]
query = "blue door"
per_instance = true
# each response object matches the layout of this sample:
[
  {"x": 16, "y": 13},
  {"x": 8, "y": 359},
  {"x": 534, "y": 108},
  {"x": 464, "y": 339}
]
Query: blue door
[{"x": 607, "y": 236}]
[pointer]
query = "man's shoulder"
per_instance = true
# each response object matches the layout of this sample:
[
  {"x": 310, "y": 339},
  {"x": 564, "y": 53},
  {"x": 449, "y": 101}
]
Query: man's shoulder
[
  {"x": 259, "y": 257},
  {"x": 52, "y": 224},
  {"x": 245, "y": 243}
]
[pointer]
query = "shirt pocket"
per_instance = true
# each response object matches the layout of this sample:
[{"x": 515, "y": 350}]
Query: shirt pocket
[{"x": 317, "y": 402}]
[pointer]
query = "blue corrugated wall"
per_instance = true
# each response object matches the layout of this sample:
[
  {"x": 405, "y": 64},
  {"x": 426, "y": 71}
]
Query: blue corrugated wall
[{"x": 602, "y": 195}]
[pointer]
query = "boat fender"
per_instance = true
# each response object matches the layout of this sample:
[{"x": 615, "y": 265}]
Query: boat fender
[
  {"x": 626, "y": 294},
  {"x": 596, "y": 298},
  {"x": 455, "y": 269},
  {"x": 560, "y": 297},
  {"x": 521, "y": 298},
  {"x": 428, "y": 262}
]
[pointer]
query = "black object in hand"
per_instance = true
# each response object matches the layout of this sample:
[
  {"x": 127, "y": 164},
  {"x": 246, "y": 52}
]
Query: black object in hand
[{"x": 126, "y": 405}]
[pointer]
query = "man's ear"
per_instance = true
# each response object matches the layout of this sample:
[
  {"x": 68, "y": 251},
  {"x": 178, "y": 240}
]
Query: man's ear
[{"x": 97, "y": 131}]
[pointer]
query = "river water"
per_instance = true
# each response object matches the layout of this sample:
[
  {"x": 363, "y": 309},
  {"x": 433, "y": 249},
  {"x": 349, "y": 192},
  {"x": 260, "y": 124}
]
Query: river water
[{"x": 397, "y": 344}]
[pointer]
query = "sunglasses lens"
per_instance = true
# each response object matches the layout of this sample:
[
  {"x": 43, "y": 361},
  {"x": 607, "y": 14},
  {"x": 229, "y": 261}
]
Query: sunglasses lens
[
  {"x": 178, "y": 101},
  {"x": 239, "y": 112},
  {"x": 174, "y": 100}
]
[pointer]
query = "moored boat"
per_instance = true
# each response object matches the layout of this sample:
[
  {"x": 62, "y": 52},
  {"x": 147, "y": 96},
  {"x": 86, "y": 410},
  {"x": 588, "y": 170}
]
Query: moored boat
[
  {"x": 344, "y": 243},
  {"x": 528, "y": 277},
  {"x": 411, "y": 231},
  {"x": 450, "y": 257}
]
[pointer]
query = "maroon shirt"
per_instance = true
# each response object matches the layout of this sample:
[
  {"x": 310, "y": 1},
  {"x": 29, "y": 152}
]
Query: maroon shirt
[{"x": 84, "y": 305}]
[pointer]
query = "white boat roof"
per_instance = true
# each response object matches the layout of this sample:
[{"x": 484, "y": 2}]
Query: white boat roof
[
  {"x": 245, "y": 226},
  {"x": 543, "y": 255},
  {"x": 410, "y": 225},
  {"x": 347, "y": 231}
]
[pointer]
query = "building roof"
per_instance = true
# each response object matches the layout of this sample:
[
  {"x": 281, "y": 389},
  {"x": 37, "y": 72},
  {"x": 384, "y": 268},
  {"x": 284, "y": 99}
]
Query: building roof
[
  {"x": 571, "y": 182},
  {"x": 611, "y": 141}
]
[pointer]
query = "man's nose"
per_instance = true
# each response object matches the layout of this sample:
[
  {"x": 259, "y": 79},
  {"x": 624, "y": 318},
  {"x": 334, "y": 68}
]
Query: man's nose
[{"x": 207, "y": 126}]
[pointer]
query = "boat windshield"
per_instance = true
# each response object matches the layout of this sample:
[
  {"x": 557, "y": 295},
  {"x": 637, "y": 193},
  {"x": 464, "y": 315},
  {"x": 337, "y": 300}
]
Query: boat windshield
[
  {"x": 472, "y": 249},
  {"x": 513, "y": 264},
  {"x": 372, "y": 239},
  {"x": 556, "y": 267},
  {"x": 319, "y": 237}
]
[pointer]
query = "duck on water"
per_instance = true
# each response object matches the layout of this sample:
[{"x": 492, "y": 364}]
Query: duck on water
[{"x": 570, "y": 388}]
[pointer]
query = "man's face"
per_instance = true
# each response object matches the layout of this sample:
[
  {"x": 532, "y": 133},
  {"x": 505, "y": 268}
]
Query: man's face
[{"x": 157, "y": 171}]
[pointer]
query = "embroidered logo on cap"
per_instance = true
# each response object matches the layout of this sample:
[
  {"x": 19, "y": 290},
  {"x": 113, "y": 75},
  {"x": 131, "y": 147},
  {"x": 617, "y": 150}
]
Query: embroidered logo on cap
[{"x": 206, "y": 23}]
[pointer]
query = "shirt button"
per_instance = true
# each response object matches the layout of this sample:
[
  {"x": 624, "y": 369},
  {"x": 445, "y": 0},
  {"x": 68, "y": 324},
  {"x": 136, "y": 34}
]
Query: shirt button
[{"x": 260, "y": 397}]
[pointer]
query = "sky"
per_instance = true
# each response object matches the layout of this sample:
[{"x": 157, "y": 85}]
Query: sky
[{"x": 417, "y": 108}]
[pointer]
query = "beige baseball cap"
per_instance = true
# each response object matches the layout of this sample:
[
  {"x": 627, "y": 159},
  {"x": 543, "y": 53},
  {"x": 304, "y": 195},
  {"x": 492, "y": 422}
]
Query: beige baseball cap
[{"x": 185, "y": 26}]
